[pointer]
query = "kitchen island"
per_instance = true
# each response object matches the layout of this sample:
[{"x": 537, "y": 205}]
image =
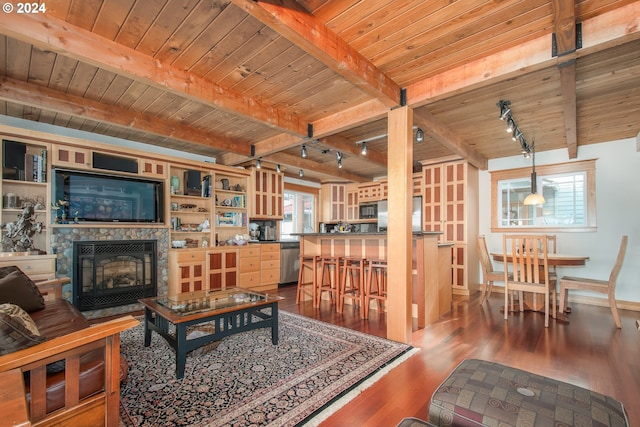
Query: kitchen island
[{"x": 431, "y": 265}]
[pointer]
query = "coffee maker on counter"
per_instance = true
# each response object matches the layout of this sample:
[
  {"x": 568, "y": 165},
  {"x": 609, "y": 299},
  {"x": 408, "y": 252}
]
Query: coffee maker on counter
[{"x": 262, "y": 230}]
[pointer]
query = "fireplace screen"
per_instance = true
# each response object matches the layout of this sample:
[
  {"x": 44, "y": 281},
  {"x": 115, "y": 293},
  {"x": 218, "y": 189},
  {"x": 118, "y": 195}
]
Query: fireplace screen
[{"x": 113, "y": 273}]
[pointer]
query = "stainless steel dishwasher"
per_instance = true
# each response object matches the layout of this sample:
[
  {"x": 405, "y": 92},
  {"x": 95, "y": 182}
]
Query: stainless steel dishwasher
[{"x": 289, "y": 262}]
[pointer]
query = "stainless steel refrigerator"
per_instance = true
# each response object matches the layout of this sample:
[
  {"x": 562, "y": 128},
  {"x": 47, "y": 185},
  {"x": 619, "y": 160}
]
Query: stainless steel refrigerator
[{"x": 416, "y": 215}]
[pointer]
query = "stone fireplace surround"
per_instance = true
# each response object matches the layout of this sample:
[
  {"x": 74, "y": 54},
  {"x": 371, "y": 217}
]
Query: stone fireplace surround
[{"x": 62, "y": 239}]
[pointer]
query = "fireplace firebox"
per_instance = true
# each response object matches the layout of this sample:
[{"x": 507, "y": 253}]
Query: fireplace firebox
[{"x": 113, "y": 273}]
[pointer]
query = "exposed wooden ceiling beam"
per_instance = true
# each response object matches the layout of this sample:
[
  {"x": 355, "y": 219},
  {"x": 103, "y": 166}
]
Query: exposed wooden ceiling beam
[
  {"x": 601, "y": 32},
  {"x": 445, "y": 136},
  {"x": 565, "y": 35},
  {"x": 41, "y": 97},
  {"x": 51, "y": 34},
  {"x": 312, "y": 35}
]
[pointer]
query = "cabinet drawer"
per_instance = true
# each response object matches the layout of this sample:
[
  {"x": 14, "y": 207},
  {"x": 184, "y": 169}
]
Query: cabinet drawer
[
  {"x": 249, "y": 264},
  {"x": 250, "y": 251},
  {"x": 271, "y": 275},
  {"x": 270, "y": 255},
  {"x": 270, "y": 247},
  {"x": 185, "y": 256},
  {"x": 33, "y": 268},
  {"x": 271, "y": 263},
  {"x": 249, "y": 280}
]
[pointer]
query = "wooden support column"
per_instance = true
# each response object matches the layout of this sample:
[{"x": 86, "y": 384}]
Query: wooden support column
[{"x": 400, "y": 160}]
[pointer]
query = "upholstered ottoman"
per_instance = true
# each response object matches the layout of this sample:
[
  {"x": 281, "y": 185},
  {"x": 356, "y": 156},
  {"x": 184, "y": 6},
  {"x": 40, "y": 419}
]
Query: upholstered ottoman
[{"x": 481, "y": 393}]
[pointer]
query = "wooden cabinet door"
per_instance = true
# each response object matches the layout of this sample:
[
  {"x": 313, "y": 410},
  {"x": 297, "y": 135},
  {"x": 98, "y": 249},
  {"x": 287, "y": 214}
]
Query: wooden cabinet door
[
  {"x": 215, "y": 262},
  {"x": 432, "y": 202},
  {"x": 261, "y": 193},
  {"x": 445, "y": 210},
  {"x": 268, "y": 194},
  {"x": 74, "y": 157},
  {"x": 190, "y": 272},
  {"x": 338, "y": 202},
  {"x": 353, "y": 210},
  {"x": 222, "y": 267},
  {"x": 152, "y": 168},
  {"x": 333, "y": 202},
  {"x": 276, "y": 195}
]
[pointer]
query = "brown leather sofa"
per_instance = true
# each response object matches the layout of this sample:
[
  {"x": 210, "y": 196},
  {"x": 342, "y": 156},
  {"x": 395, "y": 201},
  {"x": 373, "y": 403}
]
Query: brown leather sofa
[
  {"x": 59, "y": 318},
  {"x": 72, "y": 370}
]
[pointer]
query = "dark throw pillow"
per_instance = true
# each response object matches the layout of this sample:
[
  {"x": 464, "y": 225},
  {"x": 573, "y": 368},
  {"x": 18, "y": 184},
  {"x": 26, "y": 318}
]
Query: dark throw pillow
[
  {"x": 17, "y": 329},
  {"x": 16, "y": 288}
]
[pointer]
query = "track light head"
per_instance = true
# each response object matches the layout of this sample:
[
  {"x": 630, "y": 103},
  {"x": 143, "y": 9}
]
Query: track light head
[
  {"x": 363, "y": 150},
  {"x": 278, "y": 168},
  {"x": 258, "y": 164},
  {"x": 303, "y": 152},
  {"x": 419, "y": 135},
  {"x": 300, "y": 173},
  {"x": 504, "y": 108},
  {"x": 510, "y": 124}
]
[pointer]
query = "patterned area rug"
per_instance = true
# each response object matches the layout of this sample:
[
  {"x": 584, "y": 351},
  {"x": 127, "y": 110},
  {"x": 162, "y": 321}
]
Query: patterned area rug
[{"x": 247, "y": 381}]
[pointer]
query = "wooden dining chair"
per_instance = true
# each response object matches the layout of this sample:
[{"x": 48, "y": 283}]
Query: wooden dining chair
[
  {"x": 602, "y": 286},
  {"x": 489, "y": 275},
  {"x": 528, "y": 255}
]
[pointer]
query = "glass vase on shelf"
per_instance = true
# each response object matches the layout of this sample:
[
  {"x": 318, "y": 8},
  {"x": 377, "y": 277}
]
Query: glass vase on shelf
[{"x": 175, "y": 184}]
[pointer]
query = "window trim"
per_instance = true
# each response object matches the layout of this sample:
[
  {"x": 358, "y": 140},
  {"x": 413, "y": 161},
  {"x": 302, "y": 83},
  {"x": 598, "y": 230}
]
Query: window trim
[{"x": 587, "y": 166}]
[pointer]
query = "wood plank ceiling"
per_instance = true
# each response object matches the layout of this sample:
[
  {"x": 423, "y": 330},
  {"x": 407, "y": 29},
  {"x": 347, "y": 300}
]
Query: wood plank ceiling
[{"x": 240, "y": 79}]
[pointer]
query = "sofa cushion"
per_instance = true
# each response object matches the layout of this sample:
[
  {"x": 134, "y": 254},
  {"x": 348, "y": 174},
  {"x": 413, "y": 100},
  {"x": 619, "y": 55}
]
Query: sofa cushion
[
  {"x": 17, "y": 288},
  {"x": 59, "y": 318},
  {"x": 17, "y": 329}
]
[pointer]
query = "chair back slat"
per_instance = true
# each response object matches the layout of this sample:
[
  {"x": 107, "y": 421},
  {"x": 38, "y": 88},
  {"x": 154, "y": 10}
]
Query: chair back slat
[{"x": 529, "y": 257}]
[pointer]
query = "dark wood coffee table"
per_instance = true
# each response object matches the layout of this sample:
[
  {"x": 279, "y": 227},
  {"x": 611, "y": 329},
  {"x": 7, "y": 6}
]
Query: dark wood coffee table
[{"x": 229, "y": 312}]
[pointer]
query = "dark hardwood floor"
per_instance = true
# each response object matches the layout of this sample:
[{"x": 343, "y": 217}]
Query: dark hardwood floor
[{"x": 589, "y": 352}]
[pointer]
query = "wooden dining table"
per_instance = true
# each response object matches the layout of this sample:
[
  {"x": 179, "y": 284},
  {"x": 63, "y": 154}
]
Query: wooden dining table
[
  {"x": 553, "y": 259},
  {"x": 557, "y": 260}
]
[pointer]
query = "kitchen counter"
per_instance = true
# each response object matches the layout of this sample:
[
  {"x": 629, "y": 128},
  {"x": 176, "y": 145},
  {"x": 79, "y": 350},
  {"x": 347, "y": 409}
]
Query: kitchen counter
[{"x": 431, "y": 264}]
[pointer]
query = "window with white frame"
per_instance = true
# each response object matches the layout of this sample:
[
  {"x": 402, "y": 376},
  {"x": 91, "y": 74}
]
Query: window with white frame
[
  {"x": 299, "y": 214},
  {"x": 568, "y": 190}
]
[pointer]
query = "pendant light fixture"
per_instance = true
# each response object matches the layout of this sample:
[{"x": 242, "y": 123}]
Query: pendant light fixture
[
  {"x": 534, "y": 198},
  {"x": 303, "y": 152}
]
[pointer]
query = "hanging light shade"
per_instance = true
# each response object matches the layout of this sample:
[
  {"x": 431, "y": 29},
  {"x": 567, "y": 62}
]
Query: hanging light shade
[
  {"x": 303, "y": 152},
  {"x": 419, "y": 135},
  {"x": 534, "y": 199},
  {"x": 363, "y": 150}
]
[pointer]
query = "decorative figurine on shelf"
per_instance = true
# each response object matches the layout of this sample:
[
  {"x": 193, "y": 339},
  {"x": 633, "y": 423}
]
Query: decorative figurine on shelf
[{"x": 18, "y": 237}]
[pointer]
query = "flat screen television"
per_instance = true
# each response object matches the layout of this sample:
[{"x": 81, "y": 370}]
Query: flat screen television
[{"x": 94, "y": 197}]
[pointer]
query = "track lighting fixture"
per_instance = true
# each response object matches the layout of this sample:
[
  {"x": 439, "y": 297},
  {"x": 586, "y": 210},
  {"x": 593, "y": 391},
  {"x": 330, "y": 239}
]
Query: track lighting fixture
[
  {"x": 363, "y": 149},
  {"x": 512, "y": 126},
  {"x": 278, "y": 168},
  {"x": 505, "y": 110},
  {"x": 258, "y": 164},
  {"x": 339, "y": 157},
  {"x": 303, "y": 152},
  {"x": 300, "y": 173},
  {"x": 419, "y": 135}
]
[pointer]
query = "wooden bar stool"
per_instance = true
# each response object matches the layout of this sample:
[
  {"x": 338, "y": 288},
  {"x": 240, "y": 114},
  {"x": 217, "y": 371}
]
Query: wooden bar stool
[
  {"x": 329, "y": 278},
  {"x": 376, "y": 286},
  {"x": 352, "y": 283},
  {"x": 310, "y": 263}
]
